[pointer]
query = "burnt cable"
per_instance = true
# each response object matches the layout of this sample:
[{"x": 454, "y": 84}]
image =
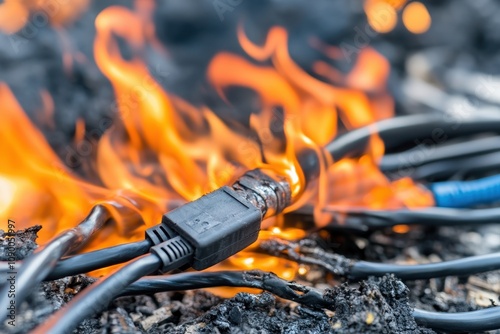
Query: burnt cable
[
  {"x": 249, "y": 279},
  {"x": 206, "y": 234},
  {"x": 198, "y": 234},
  {"x": 97, "y": 297},
  {"x": 38, "y": 266},
  {"x": 307, "y": 251},
  {"x": 168, "y": 255},
  {"x": 473, "y": 321}
]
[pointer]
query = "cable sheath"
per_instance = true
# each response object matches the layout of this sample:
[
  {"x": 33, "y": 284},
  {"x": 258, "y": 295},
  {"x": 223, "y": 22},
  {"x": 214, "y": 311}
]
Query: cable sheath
[{"x": 97, "y": 297}]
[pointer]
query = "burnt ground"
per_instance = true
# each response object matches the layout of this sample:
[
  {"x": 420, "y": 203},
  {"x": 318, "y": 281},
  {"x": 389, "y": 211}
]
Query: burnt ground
[{"x": 376, "y": 305}]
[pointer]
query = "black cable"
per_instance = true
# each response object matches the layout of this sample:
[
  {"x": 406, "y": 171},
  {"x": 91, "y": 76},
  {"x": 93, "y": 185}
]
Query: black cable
[
  {"x": 364, "y": 220},
  {"x": 168, "y": 255},
  {"x": 97, "y": 297},
  {"x": 460, "y": 267},
  {"x": 86, "y": 262},
  {"x": 307, "y": 251},
  {"x": 83, "y": 263},
  {"x": 482, "y": 320},
  {"x": 426, "y": 217},
  {"x": 38, "y": 266},
  {"x": 473, "y": 321},
  {"x": 461, "y": 166},
  {"x": 428, "y": 153},
  {"x": 398, "y": 131},
  {"x": 249, "y": 279}
]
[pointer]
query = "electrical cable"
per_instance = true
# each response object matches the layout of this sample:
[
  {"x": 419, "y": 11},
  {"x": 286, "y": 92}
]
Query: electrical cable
[
  {"x": 83, "y": 263},
  {"x": 38, "y": 266},
  {"x": 168, "y": 255},
  {"x": 462, "y": 166},
  {"x": 97, "y": 297},
  {"x": 197, "y": 234},
  {"x": 365, "y": 220},
  {"x": 307, "y": 251},
  {"x": 426, "y": 153},
  {"x": 481, "y": 320},
  {"x": 460, "y": 267},
  {"x": 426, "y": 217},
  {"x": 250, "y": 279},
  {"x": 398, "y": 131},
  {"x": 86, "y": 262},
  {"x": 464, "y": 194},
  {"x": 472, "y": 321}
]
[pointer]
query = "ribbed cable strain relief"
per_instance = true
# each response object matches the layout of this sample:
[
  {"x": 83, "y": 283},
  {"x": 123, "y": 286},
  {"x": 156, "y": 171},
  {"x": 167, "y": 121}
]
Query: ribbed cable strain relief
[
  {"x": 160, "y": 233},
  {"x": 174, "y": 253},
  {"x": 270, "y": 195}
]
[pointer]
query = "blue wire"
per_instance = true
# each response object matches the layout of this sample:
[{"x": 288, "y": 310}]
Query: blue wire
[{"x": 463, "y": 194}]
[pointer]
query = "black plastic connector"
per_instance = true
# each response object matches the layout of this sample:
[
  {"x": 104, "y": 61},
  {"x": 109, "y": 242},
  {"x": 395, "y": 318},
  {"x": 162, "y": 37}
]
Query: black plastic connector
[
  {"x": 160, "y": 233},
  {"x": 217, "y": 225}
]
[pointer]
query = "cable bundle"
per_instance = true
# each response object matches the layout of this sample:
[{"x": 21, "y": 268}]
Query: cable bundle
[{"x": 199, "y": 234}]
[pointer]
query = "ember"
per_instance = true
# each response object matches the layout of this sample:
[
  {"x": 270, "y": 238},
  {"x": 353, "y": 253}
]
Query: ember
[{"x": 325, "y": 155}]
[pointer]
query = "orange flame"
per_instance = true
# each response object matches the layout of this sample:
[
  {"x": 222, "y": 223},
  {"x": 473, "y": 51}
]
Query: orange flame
[{"x": 162, "y": 151}]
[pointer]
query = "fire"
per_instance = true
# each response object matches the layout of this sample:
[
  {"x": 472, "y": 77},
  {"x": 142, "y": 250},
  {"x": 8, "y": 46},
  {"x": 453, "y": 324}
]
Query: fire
[{"x": 161, "y": 151}]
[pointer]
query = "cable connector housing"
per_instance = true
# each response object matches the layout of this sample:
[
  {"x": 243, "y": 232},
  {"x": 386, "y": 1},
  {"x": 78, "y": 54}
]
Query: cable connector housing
[
  {"x": 217, "y": 225},
  {"x": 221, "y": 223}
]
